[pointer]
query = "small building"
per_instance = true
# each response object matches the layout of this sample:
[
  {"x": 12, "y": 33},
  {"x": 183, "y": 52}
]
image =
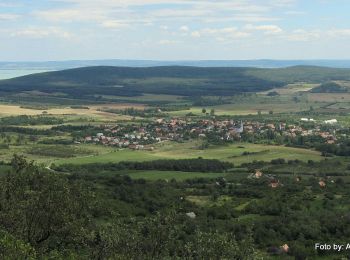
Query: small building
[
  {"x": 331, "y": 121},
  {"x": 322, "y": 183},
  {"x": 274, "y": 183},
  {"x": 258, "y": 174},
  {"x": 285, "y": 248},
  {"x": 191, "y": 215}
]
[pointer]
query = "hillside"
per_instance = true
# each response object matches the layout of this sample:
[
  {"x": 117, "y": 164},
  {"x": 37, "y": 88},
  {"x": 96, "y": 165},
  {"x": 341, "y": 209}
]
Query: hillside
[
  {"x": 329, "y": 87},
  {"x": 88, "y": 82}
]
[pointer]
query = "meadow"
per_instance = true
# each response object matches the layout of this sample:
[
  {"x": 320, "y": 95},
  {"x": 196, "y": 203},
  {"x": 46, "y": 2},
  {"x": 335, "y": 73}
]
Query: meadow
[{"x": 231, "y": 153}]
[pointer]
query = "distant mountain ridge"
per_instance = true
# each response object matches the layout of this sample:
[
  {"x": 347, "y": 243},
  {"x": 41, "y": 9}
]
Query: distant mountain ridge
[
  {"x": 262, "y": 63},
  {"x": 89, "y": 82}
]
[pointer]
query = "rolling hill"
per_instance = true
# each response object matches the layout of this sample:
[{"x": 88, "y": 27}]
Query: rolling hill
[{"x": 89, "y": 82}]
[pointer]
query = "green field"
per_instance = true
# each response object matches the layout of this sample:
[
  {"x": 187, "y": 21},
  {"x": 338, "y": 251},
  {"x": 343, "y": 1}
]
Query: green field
[{"x": 231, "y": 153}]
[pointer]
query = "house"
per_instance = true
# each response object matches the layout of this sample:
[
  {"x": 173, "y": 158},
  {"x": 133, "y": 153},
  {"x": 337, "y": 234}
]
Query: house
[
  {"x": 191, "y": 215},
  {"x": 307, "y": 119},
  {"x": 274, "y": 183},
  {"x": 285, "y": 248},
  {"x": 271, "y": 126},
  {"x": 240, "y": 129},
  {"x": 322, "y": 183},
  {"x": 330, "y": 141},
  {"x": 258, "y": 174},
  {"x": 99, "y": 135},
  {"x": 331, "y": 121},
  {"x": 88, "y": 139}
]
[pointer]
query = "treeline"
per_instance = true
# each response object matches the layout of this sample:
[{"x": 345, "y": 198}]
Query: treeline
[
  {"x": 24, "y": 130},
  {"x": 186, "y": 165},
  {"x": 148, "y": 112},
  {"x": 342, "y": 149},
  {"x": 30, "y": 120},
  {"x": 208, "y": 101},
  {"x": 134, "y": 112}
]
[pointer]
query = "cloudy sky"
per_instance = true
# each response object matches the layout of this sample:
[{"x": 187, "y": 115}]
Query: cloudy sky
[{"x": 174, "y": 29}]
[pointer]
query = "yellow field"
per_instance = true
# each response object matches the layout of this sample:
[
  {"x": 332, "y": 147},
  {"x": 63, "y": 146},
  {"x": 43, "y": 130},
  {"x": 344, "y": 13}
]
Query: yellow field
[
  {"x": 93, "y": 111},
  {"x": 329, "y": 97},
  {"x": 292, "y": 89}
]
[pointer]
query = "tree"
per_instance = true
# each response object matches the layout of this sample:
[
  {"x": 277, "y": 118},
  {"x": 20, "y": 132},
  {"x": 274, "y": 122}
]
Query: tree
[
  {"x": 204, "y": 111},
  {"x": 212, "y": 112},
  {"x": 42, "y": 209},
  {"x": 12, "y": 248}
]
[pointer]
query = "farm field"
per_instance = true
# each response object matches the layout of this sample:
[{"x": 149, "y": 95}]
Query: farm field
[
  {"x": 230, "y": 153},
  {"x": 260, "y": 103},
  {"x": 94, "y": 111}
]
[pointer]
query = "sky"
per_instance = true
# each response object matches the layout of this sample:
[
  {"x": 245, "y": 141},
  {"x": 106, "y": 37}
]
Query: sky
[{"x": 44, "y": 30}]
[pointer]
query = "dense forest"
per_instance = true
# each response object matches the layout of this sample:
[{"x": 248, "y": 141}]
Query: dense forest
[
  {"x": 112, "y": 216},
  {"x": 46, "y": 215},
  {"x": 191, "y": 165},
  {"x": 176, "y": 80}
]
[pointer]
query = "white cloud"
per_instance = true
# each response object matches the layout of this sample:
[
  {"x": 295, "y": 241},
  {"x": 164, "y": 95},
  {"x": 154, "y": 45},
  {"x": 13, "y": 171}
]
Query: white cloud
[
  {"x": 294, "y": 12},
  {"x": 196, "y": 34},
  {"x": 184, "y": 28},
  {"x": 339, "y": 32},
  {"x": 221, "y": 34},
  {"x": 184, "y": 10},
  {"x": 301, "y": 35},
  {"x": 266, "y": 29},
  {"x": 253, "y": 18},
  {"x": 9, "y": 16},
  {"x": 113, "y": 24},
  {"x": 42, "y": 33},
  {"x": 167, "y": 42}
]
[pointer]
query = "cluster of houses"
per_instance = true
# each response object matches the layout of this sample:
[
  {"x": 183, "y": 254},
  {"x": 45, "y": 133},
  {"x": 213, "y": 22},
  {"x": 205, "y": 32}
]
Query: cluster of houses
[
  {"x": 177, "y": 129},
  {"x": 123, "y": 137}
]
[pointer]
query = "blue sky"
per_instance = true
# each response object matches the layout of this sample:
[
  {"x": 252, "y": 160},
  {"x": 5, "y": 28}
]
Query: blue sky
[{"x": 40, "y": 30}]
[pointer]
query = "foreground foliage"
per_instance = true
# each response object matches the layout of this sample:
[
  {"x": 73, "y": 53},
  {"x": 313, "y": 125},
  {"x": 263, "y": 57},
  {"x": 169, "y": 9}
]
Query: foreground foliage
[{"x": 43, "y": 214}]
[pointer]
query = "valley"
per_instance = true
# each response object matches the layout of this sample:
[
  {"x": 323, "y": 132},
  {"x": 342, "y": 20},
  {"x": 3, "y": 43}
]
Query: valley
[{"x": 259, "y": 153}]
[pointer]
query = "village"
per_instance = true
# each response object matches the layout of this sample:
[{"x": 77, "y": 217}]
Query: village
[{"x": 143, "y": 136}]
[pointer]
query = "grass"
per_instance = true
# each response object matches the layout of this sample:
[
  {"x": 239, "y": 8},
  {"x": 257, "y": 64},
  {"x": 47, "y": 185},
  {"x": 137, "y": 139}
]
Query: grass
[
  {"x": 252, "y": 104},
  {"x": 114, "y": 156},
  {"x": 231, "y": 153}
]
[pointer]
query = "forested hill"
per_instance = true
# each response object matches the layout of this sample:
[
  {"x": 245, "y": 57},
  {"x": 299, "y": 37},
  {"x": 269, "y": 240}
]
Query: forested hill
[{"x": 178, "y": 80}]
